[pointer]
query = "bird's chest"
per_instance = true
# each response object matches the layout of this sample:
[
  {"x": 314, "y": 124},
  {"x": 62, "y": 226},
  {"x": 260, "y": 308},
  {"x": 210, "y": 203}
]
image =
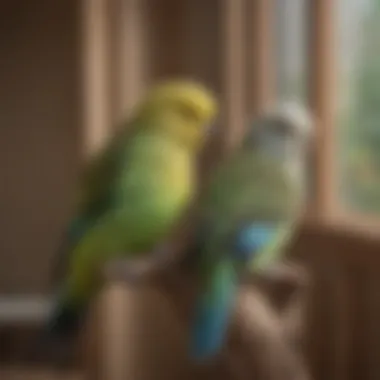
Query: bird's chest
[
  {"x": 171, "y": 185},
  {"x": 156, "y": 196}
]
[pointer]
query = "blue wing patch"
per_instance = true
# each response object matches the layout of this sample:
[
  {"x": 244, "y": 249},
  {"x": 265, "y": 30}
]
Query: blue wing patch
[{"x": 251, "y": 239}]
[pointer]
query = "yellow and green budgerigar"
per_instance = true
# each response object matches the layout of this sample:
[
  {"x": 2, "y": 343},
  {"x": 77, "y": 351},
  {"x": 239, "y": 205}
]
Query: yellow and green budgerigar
[
  {"x": 246, "y": 215},
  {"x": 132, "y": 193}
]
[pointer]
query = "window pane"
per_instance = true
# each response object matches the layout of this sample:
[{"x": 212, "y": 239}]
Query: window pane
[
  {"x": 291, "y": 39},
  {"x": 359, "y": 104}
]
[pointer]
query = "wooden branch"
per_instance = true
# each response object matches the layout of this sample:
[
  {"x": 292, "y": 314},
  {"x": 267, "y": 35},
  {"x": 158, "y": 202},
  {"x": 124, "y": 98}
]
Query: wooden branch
[
  {"x": 138, "y": 332},
  {"x": 269, "y": 315},
  {"x": 153, "y": 334},
  {"x": 261, "y": 350}
]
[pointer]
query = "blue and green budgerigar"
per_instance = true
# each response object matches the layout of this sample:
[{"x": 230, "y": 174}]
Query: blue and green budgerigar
[
  {"x": 246, "y": 215},
  {"x": 132, "y": 193}
]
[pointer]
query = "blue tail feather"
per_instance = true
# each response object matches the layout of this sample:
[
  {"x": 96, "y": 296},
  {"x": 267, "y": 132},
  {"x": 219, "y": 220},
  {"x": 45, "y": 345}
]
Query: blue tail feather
[{"x": 212, "y": 315}]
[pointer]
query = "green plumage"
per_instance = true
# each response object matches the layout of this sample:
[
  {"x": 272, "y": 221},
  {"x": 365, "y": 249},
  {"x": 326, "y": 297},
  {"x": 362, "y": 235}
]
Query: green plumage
[
  {"x": 249, "y": 187},
  {"x": 246, "y": 216},
  {"x": 148, "y": 173},
  {"x": 132, "y": 193}
]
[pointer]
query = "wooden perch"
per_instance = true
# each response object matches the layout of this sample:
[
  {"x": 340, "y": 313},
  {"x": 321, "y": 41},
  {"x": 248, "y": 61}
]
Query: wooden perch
[
  {"x": 143, "y": 336},
  {"x": 140, "y": 331},
  {"x": 258, "y": 348}
]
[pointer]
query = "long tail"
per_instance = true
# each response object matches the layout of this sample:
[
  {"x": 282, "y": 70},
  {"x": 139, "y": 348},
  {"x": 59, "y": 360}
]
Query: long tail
[
  {"x": 212, "y": 313},
  {"x": 57, "y": 335},
  {"x": 65, "y": 320},
  {"x": 66, "y": 316}
]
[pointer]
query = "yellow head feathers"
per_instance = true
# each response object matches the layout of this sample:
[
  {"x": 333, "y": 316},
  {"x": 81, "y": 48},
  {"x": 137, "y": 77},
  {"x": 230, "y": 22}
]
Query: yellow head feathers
[
  {"x": 190, "y": 98},
  {"x": 183, "y": 108}
]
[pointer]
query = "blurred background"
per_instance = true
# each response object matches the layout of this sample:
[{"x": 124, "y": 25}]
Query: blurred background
[{"x": 71, "y": 69}]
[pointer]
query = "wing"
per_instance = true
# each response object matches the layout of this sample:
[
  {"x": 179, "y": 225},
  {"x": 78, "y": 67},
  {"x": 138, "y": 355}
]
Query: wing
[
  {"x": 257, "y": 244},
  {"x": 245, "y": 191},
  {"x": 96, "y": 196}
]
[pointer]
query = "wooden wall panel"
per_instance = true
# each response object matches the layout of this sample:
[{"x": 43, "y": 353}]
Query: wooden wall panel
[
  {"x": 344, "y": 305},
  {"x": 40, "y": 135}
]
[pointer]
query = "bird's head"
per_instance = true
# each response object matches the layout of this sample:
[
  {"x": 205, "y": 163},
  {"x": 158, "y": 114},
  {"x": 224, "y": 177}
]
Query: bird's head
[
  {"x": 284, "y": 132},
  {"x": 184, "y": 109}
]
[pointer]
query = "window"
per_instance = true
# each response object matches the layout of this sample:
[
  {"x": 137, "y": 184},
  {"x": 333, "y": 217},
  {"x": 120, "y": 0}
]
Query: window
[
  {"x": 358, "y": 132},
  {"x": 290, "y": 41}
]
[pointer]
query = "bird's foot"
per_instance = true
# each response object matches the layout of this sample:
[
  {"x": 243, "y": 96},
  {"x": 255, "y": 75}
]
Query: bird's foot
[
  {"x": 285, "y": 272},
  {"x": 136, "y": 271},
  {"x": 128, "y": 270}
]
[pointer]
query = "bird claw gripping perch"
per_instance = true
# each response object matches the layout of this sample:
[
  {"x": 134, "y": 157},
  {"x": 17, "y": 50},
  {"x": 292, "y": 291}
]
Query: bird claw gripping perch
[{"x": 135, "y": 271}]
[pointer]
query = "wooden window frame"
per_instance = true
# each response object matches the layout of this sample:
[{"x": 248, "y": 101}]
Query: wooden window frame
[
  {"x": 326, "y": 208},
  {"x": 322, "y": 95}
]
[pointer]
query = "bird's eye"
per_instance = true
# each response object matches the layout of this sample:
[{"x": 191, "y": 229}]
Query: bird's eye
[{"x": 282, "y": 128}]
